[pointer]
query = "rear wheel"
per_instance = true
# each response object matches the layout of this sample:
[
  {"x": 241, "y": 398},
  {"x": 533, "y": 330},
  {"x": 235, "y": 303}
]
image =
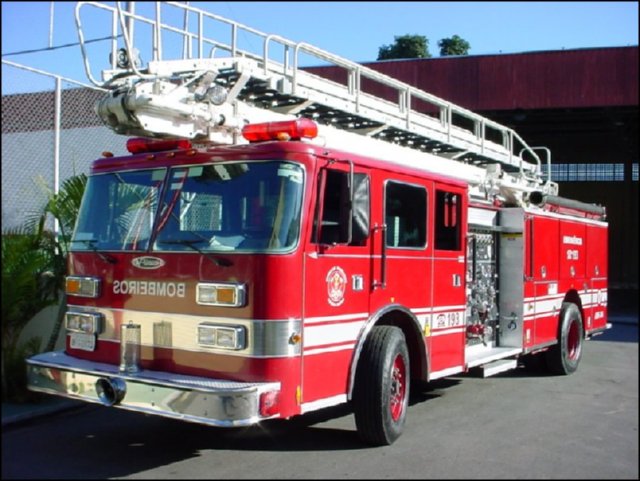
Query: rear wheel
[
  {"x": 564, "y": 357},
  {"x": 381, "y": 391}
]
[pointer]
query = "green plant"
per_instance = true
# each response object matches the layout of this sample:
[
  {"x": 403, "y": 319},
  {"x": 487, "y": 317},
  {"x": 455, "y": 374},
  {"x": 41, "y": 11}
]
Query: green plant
[
  {"x": 63, "y": 207},
  {"x": 28, "y": 286},
  {"x": 33, "y": 271}
]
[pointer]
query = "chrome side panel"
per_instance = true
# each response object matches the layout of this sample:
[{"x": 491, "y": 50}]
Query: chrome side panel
[
  {"x": 511, "y": 277},
  {"x": 187, "y": 398},
  {"x": 483, "y": 217}
]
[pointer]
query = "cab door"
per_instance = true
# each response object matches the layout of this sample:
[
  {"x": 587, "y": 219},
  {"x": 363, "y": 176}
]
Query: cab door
[
  {"x": 401, "y": 256},
  {"x": 337, "y": 276}
]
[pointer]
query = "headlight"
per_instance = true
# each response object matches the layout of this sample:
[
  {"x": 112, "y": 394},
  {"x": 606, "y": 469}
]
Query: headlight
[
  {"x": 82, "y": 286},
  {"x": 86, "y": 322},
  {"x": 222, "y": 336},
  {"x": 230, "y": 295}
]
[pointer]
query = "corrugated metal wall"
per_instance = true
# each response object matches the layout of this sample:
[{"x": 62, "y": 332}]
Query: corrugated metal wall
[{"x": 534, "y": 80}]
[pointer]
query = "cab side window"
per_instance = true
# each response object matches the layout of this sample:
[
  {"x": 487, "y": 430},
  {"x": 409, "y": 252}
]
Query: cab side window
[
  {"x": 405, "y": 215},
  {"x": 343, "y": 221}
]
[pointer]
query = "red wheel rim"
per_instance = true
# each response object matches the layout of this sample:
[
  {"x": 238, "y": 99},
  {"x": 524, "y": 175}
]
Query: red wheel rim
[
  {"x": 398, "y": 387},
  {"x": 573, "y": 341}
]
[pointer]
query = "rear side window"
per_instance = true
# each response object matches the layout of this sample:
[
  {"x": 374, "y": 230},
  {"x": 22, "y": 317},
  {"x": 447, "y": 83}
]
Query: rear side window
[
  {"x": 405, "y": 215},
  {"x": 448, "y": 221}
]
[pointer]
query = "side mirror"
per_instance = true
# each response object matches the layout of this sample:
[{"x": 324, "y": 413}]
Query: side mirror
[{"x": 360, "y": 209}]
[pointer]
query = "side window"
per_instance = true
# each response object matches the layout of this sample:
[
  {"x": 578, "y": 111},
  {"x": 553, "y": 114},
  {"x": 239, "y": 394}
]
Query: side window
[
  {"x": 447, "y": 230},
  {"x": 405, "y": 214},
  {"x": 343, "y": 221}
]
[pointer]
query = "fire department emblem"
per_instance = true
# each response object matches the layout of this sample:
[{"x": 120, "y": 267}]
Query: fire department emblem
[{"x": 336, "y": 285}]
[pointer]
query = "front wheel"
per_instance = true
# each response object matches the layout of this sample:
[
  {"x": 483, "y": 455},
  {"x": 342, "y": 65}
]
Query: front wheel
[
  {"x": 564, "y": 357},
  {"x": 381, "y": 391}
]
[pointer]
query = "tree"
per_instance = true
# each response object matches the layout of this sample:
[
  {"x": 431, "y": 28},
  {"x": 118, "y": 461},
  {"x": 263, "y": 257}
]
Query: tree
[
  {"x": 406, "y": 46},
  {"x": 453, "y": 46}
]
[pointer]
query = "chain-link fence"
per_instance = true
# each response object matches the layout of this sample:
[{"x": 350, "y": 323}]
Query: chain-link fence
[{"x": 50, "y": 132}]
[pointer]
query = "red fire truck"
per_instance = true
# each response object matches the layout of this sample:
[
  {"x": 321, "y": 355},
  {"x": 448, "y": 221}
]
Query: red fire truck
[{"x": 276, "y": 243}]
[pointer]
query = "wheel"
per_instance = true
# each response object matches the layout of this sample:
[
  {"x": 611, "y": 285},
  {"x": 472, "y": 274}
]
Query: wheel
[
  {"x": 381, "y": 391},
  {"x": 564, "y": 357}
]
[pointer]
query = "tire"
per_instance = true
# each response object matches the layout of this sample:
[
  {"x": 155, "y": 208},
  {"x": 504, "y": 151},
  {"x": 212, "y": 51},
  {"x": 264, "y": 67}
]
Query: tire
[
  {"x": 564, "y": 357},
  {"x": 381, "y": 391}
]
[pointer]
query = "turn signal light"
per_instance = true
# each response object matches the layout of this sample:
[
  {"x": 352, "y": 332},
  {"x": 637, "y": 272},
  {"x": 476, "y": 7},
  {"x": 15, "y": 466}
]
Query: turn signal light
[
  {"x": 82, "y": 286},
  {"x": 230, "y": 295},
  {"x": 285, "y": 130}
]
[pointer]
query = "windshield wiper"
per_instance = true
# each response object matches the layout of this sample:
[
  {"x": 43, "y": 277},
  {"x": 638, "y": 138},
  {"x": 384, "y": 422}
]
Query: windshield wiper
[
  {"x": 219, "y": 261},
  {"x": 91, "y": 244}
]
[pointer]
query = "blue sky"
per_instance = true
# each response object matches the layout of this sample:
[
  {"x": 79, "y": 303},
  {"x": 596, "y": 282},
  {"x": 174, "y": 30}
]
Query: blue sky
[{"x": 354, "y": 30}]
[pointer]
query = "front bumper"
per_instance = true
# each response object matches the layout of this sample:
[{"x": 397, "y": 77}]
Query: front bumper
[{"x": 188, "y": 398}]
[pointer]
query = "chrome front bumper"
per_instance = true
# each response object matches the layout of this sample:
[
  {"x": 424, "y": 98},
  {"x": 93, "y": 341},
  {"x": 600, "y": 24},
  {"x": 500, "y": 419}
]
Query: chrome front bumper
[{"x": 188, "y": 398}]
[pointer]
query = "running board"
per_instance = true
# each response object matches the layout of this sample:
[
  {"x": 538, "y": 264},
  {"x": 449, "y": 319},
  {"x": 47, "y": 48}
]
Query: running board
[
  {"x": 496, "y": 367},
  {"x": 477, "y": 357}
]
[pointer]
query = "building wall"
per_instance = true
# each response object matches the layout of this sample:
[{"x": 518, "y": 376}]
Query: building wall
[{"x": 582, "y": 78}]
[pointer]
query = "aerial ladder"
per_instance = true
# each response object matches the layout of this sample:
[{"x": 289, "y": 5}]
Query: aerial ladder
[{"x": 211, "y": 89}]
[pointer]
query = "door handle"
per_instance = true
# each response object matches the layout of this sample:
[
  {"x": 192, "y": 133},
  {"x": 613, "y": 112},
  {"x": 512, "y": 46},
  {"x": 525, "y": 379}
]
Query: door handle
[{"x": 382, "y": 284}]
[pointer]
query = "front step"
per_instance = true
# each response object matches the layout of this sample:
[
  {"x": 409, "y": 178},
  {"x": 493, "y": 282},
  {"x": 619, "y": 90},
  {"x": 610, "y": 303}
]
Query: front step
[{"x": 496, "y": 367}]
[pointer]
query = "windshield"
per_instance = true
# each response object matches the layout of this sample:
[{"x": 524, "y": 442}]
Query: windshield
[
  {"x": 249, "y": 206},
  {"x": 236, "y": 206},
  {"x": 117, "y": 211}
]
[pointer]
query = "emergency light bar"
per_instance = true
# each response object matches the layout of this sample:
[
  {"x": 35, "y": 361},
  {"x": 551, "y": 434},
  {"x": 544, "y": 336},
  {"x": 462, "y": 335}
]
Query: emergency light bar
[
  {"x": 139, "y": 145},
  {"x": 285, "y": 130}
]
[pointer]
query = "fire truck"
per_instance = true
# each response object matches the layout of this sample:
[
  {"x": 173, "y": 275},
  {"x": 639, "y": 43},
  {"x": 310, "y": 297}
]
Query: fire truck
[{"x": 277, "y": 243}]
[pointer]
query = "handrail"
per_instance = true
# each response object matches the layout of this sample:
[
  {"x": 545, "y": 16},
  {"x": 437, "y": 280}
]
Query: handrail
[
  {"x": 400, "y": 86},
  {"x": 448, "y": 111}
]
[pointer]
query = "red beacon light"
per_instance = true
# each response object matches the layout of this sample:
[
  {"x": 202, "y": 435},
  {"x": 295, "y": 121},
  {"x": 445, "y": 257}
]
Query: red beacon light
[
  {"x": 286, "y": 130},
  {"x": 139, "y": 145}
]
